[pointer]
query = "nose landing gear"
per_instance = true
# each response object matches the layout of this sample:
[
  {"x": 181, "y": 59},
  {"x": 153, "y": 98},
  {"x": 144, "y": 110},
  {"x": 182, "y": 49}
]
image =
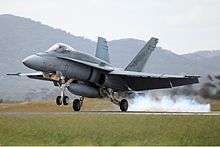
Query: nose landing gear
[
  {"x": 59, "y": 100},
  {"x": 63, "y": 99}
]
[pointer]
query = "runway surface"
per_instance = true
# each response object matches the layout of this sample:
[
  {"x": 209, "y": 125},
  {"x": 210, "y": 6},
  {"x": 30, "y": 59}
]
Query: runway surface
[{"x": 114, "y": 113}]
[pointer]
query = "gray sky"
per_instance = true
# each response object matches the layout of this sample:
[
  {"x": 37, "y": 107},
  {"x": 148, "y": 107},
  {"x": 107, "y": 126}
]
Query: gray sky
[{"x": 181, "y": 25}]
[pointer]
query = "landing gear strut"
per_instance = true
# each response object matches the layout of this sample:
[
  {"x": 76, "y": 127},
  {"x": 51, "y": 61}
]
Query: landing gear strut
[
  {"x": 63, "y": 98},
  {"x": 123, "y": 104},
  {"x": 77, "y": 104}
]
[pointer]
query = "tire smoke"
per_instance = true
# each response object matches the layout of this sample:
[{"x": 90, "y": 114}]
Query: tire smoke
[{"x": 167, "y": 103}]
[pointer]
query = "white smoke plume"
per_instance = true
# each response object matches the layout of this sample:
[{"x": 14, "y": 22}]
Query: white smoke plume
[{"x": 167, "y": 103}]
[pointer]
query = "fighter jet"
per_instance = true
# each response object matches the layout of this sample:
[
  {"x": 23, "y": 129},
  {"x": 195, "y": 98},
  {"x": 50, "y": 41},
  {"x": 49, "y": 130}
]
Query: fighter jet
[{"x": 95, "y": 77}]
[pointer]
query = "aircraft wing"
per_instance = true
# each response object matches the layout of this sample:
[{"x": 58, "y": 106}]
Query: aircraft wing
[{"x": 138, "y": 81}]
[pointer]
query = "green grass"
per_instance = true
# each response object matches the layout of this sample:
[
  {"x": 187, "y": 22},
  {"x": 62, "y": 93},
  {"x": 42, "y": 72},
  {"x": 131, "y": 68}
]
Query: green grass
[
  {"x": 108, "y": 129},
  {"x": 50, "y": 106},
  {"x": 88, "y": 105}
]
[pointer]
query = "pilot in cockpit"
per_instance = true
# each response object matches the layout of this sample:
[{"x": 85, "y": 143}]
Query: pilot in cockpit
[{"x": 60, "y": 48}]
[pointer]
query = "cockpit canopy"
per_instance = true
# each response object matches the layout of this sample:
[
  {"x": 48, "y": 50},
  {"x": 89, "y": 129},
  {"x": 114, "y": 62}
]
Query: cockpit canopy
[{"x": 60, "y": 48}]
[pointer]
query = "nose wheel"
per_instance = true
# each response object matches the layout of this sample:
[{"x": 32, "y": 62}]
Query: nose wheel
[
  {"x": 63, "y": 99},
  {"x": 59, "y": 100}
]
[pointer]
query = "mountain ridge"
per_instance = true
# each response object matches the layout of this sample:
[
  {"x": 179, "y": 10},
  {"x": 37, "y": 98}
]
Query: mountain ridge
[{"x": 21, "y": 37}]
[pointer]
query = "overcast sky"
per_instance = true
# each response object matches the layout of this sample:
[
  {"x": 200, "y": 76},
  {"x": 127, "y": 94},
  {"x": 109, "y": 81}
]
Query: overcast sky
[{"x": 181, "y": 25}]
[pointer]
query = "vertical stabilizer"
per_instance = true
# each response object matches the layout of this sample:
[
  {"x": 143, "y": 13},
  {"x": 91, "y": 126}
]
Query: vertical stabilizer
[
  {"x": 139, "y": 61},
  {"x": 102, "y": 49}
]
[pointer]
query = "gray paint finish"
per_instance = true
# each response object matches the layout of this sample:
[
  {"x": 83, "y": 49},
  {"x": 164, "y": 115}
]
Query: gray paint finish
[{"x": 90, "y": 75}]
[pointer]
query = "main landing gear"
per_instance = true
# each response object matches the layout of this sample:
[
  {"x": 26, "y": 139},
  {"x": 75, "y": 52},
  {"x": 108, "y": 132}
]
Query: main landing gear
[
  {"x": 123, "y": 104},
  {"x": 77, "y": 104}
]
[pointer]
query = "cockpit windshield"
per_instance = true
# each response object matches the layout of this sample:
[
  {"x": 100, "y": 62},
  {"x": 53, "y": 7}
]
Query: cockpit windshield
[{"x": 60, "y": 48}]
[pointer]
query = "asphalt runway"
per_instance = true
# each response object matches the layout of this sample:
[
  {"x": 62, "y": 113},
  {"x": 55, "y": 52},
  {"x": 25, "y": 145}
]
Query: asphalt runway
[{"x": 114, "y": 113}]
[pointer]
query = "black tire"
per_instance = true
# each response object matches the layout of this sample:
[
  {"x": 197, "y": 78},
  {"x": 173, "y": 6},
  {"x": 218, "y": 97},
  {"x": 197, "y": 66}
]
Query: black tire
[
  {"x": 65, "y": 100},
  {"x": 76, "y": 105},
  {"x": 124, "y": 105},
  {"x": 58, "y": 100}
]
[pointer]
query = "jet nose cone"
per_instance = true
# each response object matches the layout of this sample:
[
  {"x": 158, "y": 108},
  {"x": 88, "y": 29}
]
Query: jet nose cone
[
  {"x": 28, "y": 60},
  {"x": 31, "y": 61}
]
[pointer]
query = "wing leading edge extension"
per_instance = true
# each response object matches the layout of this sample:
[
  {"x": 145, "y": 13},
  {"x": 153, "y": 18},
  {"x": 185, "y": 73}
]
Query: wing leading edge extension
[{"x": 142, "y": 81}]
